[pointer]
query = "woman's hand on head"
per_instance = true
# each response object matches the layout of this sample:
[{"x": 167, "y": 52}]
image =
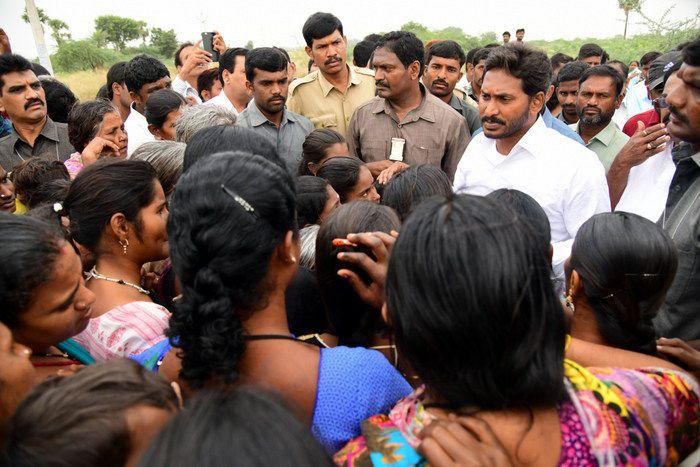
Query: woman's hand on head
[
  {"x": 96, "y": 147},
  {"x": 380, "y": 244},
  {"x": 462, "y": 441}
]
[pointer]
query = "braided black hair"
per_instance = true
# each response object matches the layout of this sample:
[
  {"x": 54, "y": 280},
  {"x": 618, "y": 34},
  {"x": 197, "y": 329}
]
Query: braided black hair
[{"x": 228, "y": 214}]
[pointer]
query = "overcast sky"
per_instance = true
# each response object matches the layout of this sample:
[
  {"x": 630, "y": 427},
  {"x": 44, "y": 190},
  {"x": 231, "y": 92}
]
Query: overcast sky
[{"x": 275, "y": 22}]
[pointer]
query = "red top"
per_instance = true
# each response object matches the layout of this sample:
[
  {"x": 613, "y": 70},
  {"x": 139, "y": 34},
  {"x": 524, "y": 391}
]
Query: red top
[{"x": 649, "y": 118}]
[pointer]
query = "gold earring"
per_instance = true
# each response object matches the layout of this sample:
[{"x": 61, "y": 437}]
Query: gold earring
[
  {"x": 570, "y": 300},
  {"x": 293, "y": 259},
  {"x": 124, "y": 244}
]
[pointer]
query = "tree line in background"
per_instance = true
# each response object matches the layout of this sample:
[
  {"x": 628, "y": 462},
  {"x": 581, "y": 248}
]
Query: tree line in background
[
  {"x": 108, "y": 43},
  {"x": 110, "y": 40}
]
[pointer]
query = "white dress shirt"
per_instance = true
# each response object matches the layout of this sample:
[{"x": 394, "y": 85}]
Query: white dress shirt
[
  {"x": 183, "y": 88},
  {"x": 647, "y": 186},
  {"x": 222, "y": 101},
  {"x": 136, "y": 128},
  {"x": 564, "y": 177}
]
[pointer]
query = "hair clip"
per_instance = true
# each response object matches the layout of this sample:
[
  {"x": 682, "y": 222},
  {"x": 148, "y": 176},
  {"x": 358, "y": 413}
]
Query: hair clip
[
  {"x": 668, "y": 66},
  {"x": 237, "y": 198},
  {"x": 57, "y": 208}
]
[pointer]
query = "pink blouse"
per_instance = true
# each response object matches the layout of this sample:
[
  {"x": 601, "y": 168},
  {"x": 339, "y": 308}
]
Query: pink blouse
[
  {"x": 74, "y": 164},
  {"x": 125, "y": 330}
]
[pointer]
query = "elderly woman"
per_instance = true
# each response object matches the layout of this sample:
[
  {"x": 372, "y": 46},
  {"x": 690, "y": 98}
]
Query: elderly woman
[
  {"x": 166, "y": 158},
  {"x": 95, "y": 130},
  {"x": 195, "y": 118}
]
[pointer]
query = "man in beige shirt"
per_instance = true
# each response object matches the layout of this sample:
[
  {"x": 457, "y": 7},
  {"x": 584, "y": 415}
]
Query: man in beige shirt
[
  {"x": 329, "y": 96},
  {"x": 405, "y": 124}
]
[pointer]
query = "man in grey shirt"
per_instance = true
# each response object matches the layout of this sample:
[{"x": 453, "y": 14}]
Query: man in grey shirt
[
  {"x": 267, "y": 80},
  {"x": 405, "y": 124},
  {"x": 680, "y": 315},
  {"x": 34, "y": 133}
]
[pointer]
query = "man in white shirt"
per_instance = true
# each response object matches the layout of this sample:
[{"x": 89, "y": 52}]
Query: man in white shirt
[
  {"x": 516, "y": 150},
  {"x": 144, "y": 75},
  {"x": 234, "y": 96},
  {"x": 190, "y": 62}
]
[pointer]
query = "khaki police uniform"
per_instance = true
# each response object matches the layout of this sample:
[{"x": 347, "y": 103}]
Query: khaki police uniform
[{"x": 318, "y": 100}]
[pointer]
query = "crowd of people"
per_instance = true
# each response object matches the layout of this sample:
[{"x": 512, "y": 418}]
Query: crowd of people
[{"x": 423, "y": 257}]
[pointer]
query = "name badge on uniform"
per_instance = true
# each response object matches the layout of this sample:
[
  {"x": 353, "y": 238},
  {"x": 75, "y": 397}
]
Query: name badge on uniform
[{"x": 397, "y": 145}]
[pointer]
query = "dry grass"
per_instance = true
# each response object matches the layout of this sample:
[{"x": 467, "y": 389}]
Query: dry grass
[{"x": 84, "y": 84}]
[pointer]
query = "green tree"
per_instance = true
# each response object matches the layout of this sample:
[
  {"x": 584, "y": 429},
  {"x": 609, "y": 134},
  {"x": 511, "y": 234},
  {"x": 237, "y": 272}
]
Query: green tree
[
  {"x": 118, "y": 30},
  {"x": 59, "y": 29},
  {"x": 249, "y": 45},
  {"x": 164, "y": 41},
  {"x": 416, "y": 28},
  {"x": 627, "y": 6}
]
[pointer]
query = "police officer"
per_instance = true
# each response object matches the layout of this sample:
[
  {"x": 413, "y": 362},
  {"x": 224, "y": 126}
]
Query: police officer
[{"x": 329, "y": 96}]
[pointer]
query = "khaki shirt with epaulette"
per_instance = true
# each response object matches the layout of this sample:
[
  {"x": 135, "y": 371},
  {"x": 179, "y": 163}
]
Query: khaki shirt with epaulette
[{"x": 318, "y": 100}]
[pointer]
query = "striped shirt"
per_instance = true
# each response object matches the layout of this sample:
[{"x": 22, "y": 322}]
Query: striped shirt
[{"x": 124, "y": 330}]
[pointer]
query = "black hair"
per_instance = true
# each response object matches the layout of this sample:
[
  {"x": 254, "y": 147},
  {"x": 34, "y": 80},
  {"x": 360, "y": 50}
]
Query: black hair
[
  {"x": 315, "y": 146},
  {"x": 59, "y": 98},
  {"x": 28, "y": 250},
  {"x": 206, "y": 80},
  {"x": 320, "y": 25},
  {"x": 227, "y": 61},
  {"x": 53, "y": 191},
  {"x": 480, "y": 54},
  {"x": 530, "y": 212},
  {"x": 524, "y": 62},
  {"x": 342, "y": 173},
  {"x": 470, "y": 55},
  {"x": 605, "y": 71},
  {"x": 312, "y": 195},
  {"x": 32, "y": 175},
  {"x": 181, "y": 47},
  {"x": 116, "y": 74},
  {"x": 228, "y": 215},
  {"x": 143, "y": 69},
  {"x": 102, "y": 93},
  {"x": 560, "y": 59},
  {"x": 691, "y": 53},
  {"x": 309, "y": 64},
  {"x": 355, "y": 323},
  {"x": 648, "y": 57},
  {"x": 506, "y": 33},
  {"x": 246, "y": 426},
  {"x": 82, "y": 419},
  {"x": 362, "y": 51},
  {"x": 410, "y": 187},
  {"x": 407, "y": 47},
  {"x": 446, "y": 49},
  {"x": 624, "y": 69},
  {"x": 10, "y": 63},
  {"x": 40, "y": 70},
  {"x": 481, "y": 334},
  {"x": 103, "y": 189},
  {"x": 373, "y": 37},
  {"x": 626, "y": 264},
  {"x": 284, "y": 52},
  {"x": 160, "y": 104},
  {"x": 223, "y": 138},
  {"x": 591, "y": 50},
  {"x": 519, "y": 30},
  {"x": 85, "y": 120},
  {"x": 572, "y": 71},
  {"x": 266, "y": 59}
]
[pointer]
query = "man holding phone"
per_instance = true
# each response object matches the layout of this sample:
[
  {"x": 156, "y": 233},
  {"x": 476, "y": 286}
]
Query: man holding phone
[{"x": 190, "y": 61}]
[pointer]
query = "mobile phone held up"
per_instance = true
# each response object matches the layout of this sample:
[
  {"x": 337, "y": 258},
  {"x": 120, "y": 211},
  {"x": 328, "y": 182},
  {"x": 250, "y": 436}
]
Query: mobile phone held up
[{"x": 208, "y": 45}]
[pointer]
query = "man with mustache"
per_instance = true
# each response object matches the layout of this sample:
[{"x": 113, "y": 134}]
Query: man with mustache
[
  {"x": 329, "y": 96},
  {"x": 516, "y": 150},
  {"x": 442, "y": 72},
  {"x": 599, "y": 95},
  {"x": 680, "y": 316},
  {"x": 478, "y": 62},
  {"x": 405, "y": 124},
  {"x": 566, "y": 90},
  {"x": 35, "y": 134},
  {"x": 267, "y": 75}
]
